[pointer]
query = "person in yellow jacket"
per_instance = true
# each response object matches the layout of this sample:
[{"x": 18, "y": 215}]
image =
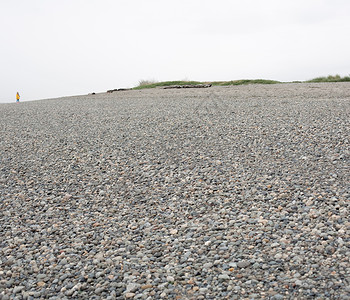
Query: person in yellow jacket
[{"x": 17, "y": 97}]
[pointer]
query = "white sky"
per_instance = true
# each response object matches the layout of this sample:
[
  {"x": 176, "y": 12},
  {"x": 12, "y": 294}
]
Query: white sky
[{"x": 53, "y": 48}]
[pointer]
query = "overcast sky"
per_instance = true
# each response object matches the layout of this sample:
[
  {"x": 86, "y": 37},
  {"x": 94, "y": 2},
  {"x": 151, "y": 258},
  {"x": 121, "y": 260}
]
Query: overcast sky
[{"x": 69, "y": 47}]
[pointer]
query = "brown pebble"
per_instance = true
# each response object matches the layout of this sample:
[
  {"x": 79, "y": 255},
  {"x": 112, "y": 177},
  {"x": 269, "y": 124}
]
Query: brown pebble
[{"x": 147, "y": 286}]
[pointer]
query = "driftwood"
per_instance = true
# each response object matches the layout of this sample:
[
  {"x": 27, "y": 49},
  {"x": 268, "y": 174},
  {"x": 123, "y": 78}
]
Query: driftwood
[
  {"x": 118, "y": 90},
  {"x": 188, "y": 86}
]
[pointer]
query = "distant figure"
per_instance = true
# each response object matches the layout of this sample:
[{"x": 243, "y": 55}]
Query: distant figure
[{"x": 17, "y": 97}]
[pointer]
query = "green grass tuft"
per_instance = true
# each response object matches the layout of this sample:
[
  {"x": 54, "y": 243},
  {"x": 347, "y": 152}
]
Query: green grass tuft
[
  {"x": 146, "y": 82},
  {"x": 330, "y": 78}
]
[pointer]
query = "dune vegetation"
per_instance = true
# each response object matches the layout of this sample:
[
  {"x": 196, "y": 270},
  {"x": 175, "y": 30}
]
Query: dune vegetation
[
  {"x": 330, "y": 78},
  {"x": 148, "y": 84}
]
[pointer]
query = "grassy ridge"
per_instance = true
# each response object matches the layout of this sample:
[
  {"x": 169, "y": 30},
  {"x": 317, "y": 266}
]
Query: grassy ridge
[
  {"x": 244, "y": 81},
  {"x": 216, "y": 83},
  {"x": 330, "y": 78},
  {"x": 144, "y": 84},
  {"x": 165, "y": 83}
]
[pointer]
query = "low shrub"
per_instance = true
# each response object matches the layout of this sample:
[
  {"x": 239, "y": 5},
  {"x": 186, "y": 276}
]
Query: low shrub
[{"x": 330, "y": 78}]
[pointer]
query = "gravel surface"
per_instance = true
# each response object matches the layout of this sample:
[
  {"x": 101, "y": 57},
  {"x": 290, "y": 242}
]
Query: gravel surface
[{"x": 219, "y": 193}]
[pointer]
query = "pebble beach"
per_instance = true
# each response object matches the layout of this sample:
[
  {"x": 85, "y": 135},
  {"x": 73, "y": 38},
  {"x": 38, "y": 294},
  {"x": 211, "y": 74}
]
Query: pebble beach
[{"x": 239, "y": 192}]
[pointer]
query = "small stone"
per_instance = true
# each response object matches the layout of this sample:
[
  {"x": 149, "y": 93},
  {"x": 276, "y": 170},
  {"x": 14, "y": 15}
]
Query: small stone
[
  {"x": 99, "y": 290},
  {"x": 232, "y": 264},
  {"x": 41, "y": 276},
  {"x": 146, "y": 286},
  {"x": 18, "y": 289},
  {"x": 69, "y": 292},
  {"x": 67, "y": 197},
  {"x": 243, "y": 264},
  {"x": 224, "y": 277},
  {"x": 278, "y": 256},
  {"x": 170, "y": 278},
  {"x": 278, "y": 297},
  {"x": 207, "y": 265},
  {"x": 132, "y": 287},
  {"x": 129, "y": 295},
  {"x": 298, "y": 282}
]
